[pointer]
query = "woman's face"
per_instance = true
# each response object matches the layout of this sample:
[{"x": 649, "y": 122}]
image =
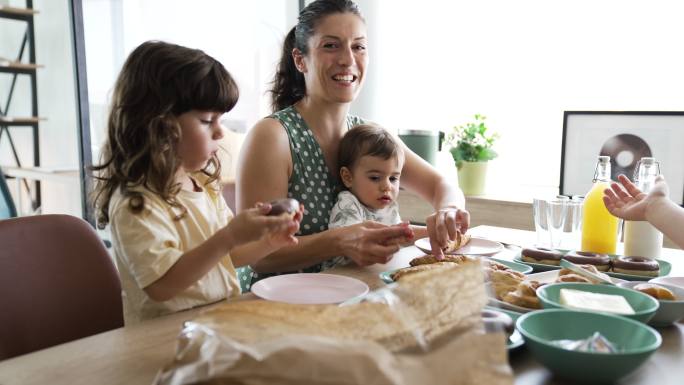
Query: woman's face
[{"x": 334, "y": 67}]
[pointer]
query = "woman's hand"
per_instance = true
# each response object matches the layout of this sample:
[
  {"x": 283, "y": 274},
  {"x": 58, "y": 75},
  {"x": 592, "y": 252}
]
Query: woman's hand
[
  {"x": 370, "y": 242},
  {"x": 253, "y": 224},
  {"x": 443, "y": 225},
  {"x": 628, "y": 202}
]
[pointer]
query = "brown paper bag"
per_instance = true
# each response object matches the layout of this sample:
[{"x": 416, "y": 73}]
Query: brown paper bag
[{"x": 260, "y": 342}]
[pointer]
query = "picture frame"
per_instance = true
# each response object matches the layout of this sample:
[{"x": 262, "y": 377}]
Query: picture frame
[{"x": 625, "y": 136}]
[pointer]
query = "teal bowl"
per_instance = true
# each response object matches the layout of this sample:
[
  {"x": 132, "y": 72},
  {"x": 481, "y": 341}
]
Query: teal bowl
[
  {"x": 635, "y": 340},
  {"x": 644, "y": 305}
]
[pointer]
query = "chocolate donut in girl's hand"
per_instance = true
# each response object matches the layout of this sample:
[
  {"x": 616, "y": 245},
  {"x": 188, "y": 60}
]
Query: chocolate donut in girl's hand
[
  {"x": 636, "y": 266},
  {"x": 601, "y": 261},
  {"x": 541, "y": 255},
  {"x": 287, "y": 206}
]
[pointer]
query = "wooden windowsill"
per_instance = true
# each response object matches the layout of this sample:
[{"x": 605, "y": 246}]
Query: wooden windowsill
[
  {"x": 19, "y": 65},
  {"x": 17, "y": 11},
  {"x": 21, "y": 120}
]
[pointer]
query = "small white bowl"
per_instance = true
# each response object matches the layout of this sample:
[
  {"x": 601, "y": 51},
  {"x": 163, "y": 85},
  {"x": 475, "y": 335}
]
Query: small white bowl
[
  {"x": 669, "y": 312},
  {"x": 674, "y": 281}
]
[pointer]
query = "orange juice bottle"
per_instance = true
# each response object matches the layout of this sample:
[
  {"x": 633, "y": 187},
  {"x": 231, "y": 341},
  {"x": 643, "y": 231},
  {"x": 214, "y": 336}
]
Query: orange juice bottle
[{"x": 599, "y": 227}]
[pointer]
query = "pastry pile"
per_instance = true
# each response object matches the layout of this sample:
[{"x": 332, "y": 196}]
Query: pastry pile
[{"x": 515, "y": 290}]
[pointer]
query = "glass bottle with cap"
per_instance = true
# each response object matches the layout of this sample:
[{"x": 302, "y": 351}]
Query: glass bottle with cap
[
  {"x": 599, "y": 227},
  {"x": 641, "y": 238}
]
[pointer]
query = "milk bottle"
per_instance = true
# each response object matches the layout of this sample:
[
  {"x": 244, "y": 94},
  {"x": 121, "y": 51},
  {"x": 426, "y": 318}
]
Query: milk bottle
[{"x": 641, "y": 238}]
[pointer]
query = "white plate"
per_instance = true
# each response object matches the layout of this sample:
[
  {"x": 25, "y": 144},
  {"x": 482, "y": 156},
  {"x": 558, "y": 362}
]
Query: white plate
[
  {"x": 674, "y": 281},
  {"x": 309, "y": 288},
  {"x": 476, "y": 246},
  {"x": 544, "y": 277}
]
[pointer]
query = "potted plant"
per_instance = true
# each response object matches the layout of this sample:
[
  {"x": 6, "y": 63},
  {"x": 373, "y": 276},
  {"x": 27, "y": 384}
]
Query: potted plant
[{"x": 471, "y": 148}]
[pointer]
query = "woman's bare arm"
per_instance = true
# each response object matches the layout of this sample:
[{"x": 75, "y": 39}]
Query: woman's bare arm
[
  {"x": 264, "y": 169},
  {"x": 447, "y": 199}
]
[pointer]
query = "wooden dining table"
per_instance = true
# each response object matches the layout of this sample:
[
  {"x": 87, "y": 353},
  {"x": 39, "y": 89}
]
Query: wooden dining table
[{"x": 134, "y": 354}]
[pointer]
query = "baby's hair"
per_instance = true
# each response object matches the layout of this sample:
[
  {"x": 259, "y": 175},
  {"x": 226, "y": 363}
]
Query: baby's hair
[
  {"x": 158, "y": 82},
  {"x": 367, "y": 139}
]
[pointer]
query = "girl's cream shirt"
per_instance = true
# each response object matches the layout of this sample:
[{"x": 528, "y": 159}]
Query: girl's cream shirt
[{"x": 147, "y": 244}]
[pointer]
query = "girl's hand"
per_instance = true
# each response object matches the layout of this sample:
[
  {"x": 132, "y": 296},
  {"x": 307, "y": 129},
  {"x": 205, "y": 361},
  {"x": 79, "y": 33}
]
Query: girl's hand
[
  {"x": 628, "y": 202},
  {"x": 370, "y": 242},
  {"x": 443, "y": 225},
  {"x": 253, "y": 224},
  {"x": 286, "y": 237}
]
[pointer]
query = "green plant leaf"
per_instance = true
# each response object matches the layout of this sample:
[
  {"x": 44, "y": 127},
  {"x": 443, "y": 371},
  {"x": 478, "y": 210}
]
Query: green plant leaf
[{"x": 470, "y": 142}]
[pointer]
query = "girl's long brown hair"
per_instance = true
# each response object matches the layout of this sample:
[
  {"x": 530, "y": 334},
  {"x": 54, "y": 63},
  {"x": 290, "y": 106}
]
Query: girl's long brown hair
[{"x": 158, "y": 82}]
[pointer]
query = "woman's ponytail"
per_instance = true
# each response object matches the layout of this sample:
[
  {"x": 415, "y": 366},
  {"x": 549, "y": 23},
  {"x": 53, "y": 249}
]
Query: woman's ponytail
[{"x": 288, "y": 84}]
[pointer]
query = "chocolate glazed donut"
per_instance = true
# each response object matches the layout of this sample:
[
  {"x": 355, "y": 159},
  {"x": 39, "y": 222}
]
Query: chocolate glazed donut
[
  {"x": 600, "y": 261},
  {"x": 636, "y": 266},
  {"x": 542, "y": 255}
]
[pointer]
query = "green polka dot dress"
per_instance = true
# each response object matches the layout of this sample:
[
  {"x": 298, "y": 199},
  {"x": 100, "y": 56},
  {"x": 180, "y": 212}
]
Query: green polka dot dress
[{"x": 311, "y": 183}]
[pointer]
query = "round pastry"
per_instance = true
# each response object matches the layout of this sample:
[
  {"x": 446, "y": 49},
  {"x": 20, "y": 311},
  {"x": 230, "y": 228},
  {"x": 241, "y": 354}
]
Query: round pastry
[
  {"x": 287, "y": 206},
  {"x": 601, "y": 261},
  {"x": 519, "y": 299},
  {"x": 655, "y": 291},
  {"x": 399, "y": 274},
  {"x": 572, "y": 278},
  {"x": 636, "y": 266},
  {"x": 496, "y": 320},
  {"x": 430, "y": 259},
  {"x": 542, "y": 255}
]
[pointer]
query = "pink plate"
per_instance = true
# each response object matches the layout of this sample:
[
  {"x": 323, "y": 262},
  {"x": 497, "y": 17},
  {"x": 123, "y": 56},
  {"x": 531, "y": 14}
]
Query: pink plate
[
  {"x": 309, "y": 288},
  {"x": 476, "y": 246}
]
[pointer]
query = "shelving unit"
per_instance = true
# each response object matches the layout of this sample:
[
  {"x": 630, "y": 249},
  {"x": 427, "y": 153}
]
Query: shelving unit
[{"x": 15, "y": 68}]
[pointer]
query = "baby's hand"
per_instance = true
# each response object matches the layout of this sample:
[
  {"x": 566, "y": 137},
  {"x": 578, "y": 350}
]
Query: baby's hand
[{"x": 253, "y": 224}]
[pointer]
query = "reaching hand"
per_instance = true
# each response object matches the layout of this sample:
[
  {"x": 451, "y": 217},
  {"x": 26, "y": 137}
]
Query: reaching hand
[
  {"x": 443, "y": 225},
  {"x": 253, "y": 224},
  {"x": 628, "y": 202},
  {"x": 370, "y": 242}
]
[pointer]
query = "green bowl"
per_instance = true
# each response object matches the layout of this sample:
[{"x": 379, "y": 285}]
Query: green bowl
[
  {"x": 668, "y": 312},
  {"x": 635, "y": 340},
  {"x": 644, "y": 305}
]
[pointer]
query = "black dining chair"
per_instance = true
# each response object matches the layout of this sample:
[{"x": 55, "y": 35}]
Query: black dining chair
[{"x": 58, "y": 283}]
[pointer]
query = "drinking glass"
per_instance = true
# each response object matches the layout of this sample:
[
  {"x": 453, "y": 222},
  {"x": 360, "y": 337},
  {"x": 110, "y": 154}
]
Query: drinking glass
[
  {"x": 556, "y": 213},
  {"x": 540, "y": 223},
  {"x": 540, "y": 211},
  {"x": 572, "y": 236}
]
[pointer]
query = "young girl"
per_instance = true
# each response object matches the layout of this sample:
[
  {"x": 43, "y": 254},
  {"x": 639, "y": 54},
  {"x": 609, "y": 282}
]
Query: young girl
[
  {"x": 370, "y": 160},
  {"x": 157, "y": 185}
]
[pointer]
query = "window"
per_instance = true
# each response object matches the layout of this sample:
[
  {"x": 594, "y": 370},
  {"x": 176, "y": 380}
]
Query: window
[
  {"x": 521, "y": 63},
  {"x": 246, "y": 36}
]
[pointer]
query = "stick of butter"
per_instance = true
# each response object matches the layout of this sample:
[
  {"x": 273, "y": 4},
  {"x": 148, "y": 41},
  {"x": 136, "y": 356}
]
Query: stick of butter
[{"x": 583, "y": 300}]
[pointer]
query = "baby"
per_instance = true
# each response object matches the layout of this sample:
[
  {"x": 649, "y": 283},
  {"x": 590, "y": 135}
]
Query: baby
[{"x": 370, "y": 161}]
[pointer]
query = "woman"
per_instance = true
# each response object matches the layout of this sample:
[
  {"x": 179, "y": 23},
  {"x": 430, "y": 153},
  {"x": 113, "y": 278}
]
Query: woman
[{"x": 293, "y": 151}]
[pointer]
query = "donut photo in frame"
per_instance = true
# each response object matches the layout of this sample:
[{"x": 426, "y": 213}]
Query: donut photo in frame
[{"x": 625, "y": 136}]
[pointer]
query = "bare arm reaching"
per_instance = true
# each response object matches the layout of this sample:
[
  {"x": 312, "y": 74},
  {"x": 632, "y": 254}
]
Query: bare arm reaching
[
  {"x": 447, "y": 199},
  {"x": 628, "y": 202},
  {"x": 251, "y": 225}
]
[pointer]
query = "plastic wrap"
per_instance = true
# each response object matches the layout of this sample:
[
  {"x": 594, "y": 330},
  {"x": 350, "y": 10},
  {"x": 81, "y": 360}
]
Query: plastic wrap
[{"x": 425, "y": 329}]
